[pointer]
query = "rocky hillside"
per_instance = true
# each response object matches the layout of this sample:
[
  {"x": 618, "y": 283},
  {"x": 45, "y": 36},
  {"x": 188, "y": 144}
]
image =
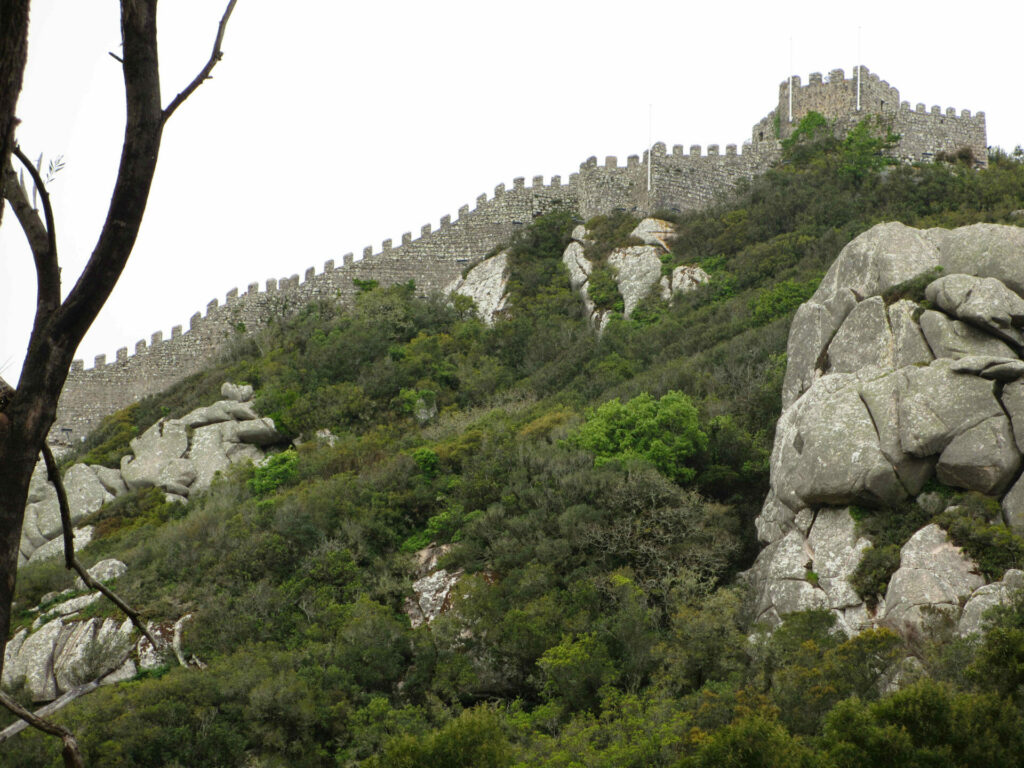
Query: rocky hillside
[{"x": 736, "y": 487}]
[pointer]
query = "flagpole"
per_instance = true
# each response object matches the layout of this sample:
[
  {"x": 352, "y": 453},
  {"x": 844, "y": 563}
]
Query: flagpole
[
  {"x": 791, "y": 79},
  {"x": 858, "y": 69},
  {"x": 650, "y": 143}
]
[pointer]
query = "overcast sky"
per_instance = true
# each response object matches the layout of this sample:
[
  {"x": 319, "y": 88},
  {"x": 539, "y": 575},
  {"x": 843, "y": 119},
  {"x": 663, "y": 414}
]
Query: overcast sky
[{"x": 333, "y": 125}]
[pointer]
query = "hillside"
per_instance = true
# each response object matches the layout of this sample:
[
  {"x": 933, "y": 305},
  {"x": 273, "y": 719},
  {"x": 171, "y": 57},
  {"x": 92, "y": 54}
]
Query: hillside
[{"x": 595, "y": 493}]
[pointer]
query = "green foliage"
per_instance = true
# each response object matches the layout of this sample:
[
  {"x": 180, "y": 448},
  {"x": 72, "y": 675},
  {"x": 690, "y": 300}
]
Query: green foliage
[
  {"x": 364, "y": 286},
  {"x": 608, "y": 232},
  {"x": 813, "y": 127},
  {"x": 999, "y": 663},
  {"x": 443, "y": 527},
  {"x": 602, "y": 288},
  {"x": 924, "y": 724},
  {"x": 754, "y": 740},
  {"x": 912, "y": 289},
  {"x": 975, "y": 523},
  {"x": 575, "y": 670},
  {"x": 274, "y": 472},
  {"x": 780, "y": 299},
  {"x": 664, "y": 433},
  {"x": 863, "y": 152},
  {"x": 871, "y": 577},
  {"x": 109, "y": 442},
  {"x": 475, "y": 738}
]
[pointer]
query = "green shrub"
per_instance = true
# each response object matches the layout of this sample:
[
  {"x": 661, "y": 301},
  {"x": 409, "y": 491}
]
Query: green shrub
[
  {"x": 871, "y": 577},
  {"x": 664, "y": 433},
  {"x": 780, "y": 299},
  {"x": 276, "y": 471},
  {"x": 602, "y": 288},
  {"x": 975, "y": 524}
]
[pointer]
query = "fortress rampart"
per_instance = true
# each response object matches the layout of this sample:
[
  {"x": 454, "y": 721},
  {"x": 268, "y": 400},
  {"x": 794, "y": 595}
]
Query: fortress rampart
[
  {"x": 683, "y": 179},
  {"x": 923, "y": 133}
]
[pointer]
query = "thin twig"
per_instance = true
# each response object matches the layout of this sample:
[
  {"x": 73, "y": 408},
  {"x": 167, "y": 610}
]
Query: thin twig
[
  {"x": 51, "y": 229},
  {"x": 71, "y": 753},
  {"x": 71, "y": 562},
  {"x": 204, "y": 73}
]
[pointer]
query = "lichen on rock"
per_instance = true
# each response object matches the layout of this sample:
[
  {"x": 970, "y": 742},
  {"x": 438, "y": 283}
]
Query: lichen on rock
[{"x": 882, "y": 396}]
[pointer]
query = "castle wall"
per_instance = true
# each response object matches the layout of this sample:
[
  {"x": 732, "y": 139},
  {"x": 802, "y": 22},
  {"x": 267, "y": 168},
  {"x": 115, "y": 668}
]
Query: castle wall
[
  {"x": 923, "y": 134},
  {"x": 432, "y": 260},
  {"x": 679, "y": 181},
  {"x": 692, "y": 181}
]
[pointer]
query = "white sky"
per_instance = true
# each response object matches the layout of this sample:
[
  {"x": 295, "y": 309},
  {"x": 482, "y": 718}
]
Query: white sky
[{"x": 333, "y": 125}]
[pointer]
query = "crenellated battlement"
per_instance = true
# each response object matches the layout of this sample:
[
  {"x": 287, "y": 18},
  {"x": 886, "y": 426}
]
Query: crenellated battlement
[
  {"x": 685, "y": 178},
  {"x": 923, "y": 131}
]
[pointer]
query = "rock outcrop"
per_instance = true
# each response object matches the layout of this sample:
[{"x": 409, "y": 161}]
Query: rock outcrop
[
  {"x": 637, "y": 270},
  {"x": 180, "y": 456},
  {"x": 432, "y": 590},
  {"x": 486, "y": 283},
  {"x": 903, "y": 366},
  {"x": 62, "y": 650}
]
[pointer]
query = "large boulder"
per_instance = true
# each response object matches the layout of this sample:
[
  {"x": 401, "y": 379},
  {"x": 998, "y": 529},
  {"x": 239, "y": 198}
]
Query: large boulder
[
  {"x": 981, "y": 301},
  {"x": 55, "y": 547},
  {"x": 827, "y": 450},
  {"x": 989, "y": 596},
  {"x": 953, "y": 338},
  {"x": 238, "y": 392},
  {"x": 162, "y": 443},
  {"x": 939, "y": 403},
  {"x": 985, "y": 250},
  {"x": 933, "y": 577},
  {"x": 864, "y": 339},
  {"x": 487, "y": 285},
  {"x": 637, "y": 270},
  {"x": 433, "y": 593},
  {"x": 782, "y": 581},
  {"x": 879, "y": 396},
  {"x": 684, "y": 279},
  {"x": 881, "y": 258},
  {"x": 655, "y": 232}
]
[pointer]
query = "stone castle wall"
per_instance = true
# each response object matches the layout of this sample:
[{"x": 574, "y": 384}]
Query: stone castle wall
[
  {"x": 923, "y": 134},
  {"x": 679, "y": 181}
]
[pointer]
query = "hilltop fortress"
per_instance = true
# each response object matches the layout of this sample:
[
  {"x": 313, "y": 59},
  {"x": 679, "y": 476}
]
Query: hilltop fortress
[{"x": 680, "y": 180}]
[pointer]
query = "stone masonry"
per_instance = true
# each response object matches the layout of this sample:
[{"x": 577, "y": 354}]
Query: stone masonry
[{"x": 680, "y": 180}]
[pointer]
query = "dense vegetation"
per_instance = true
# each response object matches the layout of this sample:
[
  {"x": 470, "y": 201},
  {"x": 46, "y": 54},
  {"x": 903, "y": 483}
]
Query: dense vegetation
[{"x": 598, "y": 493}]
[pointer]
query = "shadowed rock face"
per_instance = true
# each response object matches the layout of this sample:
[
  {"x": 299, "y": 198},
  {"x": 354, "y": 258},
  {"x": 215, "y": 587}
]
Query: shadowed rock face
[{"x": 881, "y": 395}]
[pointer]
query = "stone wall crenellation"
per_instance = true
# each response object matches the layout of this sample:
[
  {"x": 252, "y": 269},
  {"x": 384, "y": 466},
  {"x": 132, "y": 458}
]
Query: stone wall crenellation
[
  {"x": 680, "y": 180},
  {"x": 923, "y": 132}
]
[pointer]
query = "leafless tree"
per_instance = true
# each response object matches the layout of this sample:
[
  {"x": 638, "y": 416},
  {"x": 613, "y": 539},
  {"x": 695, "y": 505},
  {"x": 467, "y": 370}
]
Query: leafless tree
[{"x": 27, "y": 410}]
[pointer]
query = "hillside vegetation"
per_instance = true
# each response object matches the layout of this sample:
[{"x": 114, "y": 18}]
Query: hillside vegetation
[{"x": 598, "y": 493}]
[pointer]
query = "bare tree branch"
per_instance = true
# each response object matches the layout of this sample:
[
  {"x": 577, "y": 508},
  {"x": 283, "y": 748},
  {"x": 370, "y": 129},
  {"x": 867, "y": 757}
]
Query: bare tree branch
[
  {"x": 43, "y": 252},
  {"x": 28, "y": 217},
  {"x": 71, "y": 562},
  {"x": 71, "y": 753},
  {"x": 54, "y": 706},
  {"x": 51, "y": 229},
  {"x": 204, "y": 73}
]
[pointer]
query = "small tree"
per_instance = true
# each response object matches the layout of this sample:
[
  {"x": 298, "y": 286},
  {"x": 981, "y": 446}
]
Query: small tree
[{"x": 664, "y": 433}]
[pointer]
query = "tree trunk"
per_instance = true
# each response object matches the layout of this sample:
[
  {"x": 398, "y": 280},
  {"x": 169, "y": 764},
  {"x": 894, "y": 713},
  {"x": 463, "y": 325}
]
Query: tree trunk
[
  {"x": 13, "y": 52},
  {"x": 58, "y": 328}
]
